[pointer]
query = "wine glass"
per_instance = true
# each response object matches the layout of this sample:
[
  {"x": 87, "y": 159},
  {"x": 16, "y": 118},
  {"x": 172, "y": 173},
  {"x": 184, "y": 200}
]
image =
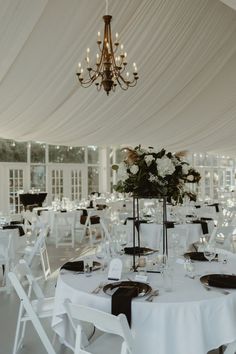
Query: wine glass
[
  {"x": 209, "y": 252},
  {"x": 101, "y": 254}
]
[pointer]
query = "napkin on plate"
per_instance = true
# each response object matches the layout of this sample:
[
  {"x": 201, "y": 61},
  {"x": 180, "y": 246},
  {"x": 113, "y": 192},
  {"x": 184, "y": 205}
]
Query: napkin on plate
[
  {"x": 130, "y": 250},
  {"x": 203, "y": 224},
  {"x": 121, "y": 301},
  {"x": 19, "y": 227},
  {"x": 77, "y": 266},
  {"x": 222, "y": 281}
]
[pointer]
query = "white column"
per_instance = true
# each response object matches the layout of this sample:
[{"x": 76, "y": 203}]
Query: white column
[{"x": 104, "y": 175}]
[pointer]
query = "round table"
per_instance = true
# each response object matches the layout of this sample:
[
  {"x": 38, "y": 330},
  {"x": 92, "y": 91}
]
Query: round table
[{"x": 189, "y": 319}]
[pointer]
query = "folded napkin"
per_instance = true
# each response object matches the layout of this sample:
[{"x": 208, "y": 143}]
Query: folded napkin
[
  {"x": 206, "y": 219},
  {"x": 63, "y": 211},
  {"x": 197, "y": 206},
  {"x": 216, "y": 205},
  {"x": 196, "y": 256},
  {"x": 77, "y": 266},
  {"x": 129, "y": 218},
  {"x": 19, "y": 227},
  {"x": 138, "y": 250},
  {"x": 121, "y": 301},
  {"x": 170, "y": 224},
  {"x": 203, "y": 224},
  {"x": 222, "y": 281},
  {"x": 101, "y": 206}
]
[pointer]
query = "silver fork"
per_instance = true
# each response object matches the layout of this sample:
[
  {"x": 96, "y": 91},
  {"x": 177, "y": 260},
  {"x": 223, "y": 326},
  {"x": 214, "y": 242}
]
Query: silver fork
[
  {"x": 151, "y": 296},
  {"x": 98, "y": 288}
]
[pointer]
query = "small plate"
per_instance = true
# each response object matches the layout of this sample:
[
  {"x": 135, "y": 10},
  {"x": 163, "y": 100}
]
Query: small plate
[
  {"x": 143, "y": 251},
  {"x": 198, "y": 256},
  {"x": 143, "y": 288},
  {"x": 77, "y": 266},
  {"x": 226, "y": 281}
]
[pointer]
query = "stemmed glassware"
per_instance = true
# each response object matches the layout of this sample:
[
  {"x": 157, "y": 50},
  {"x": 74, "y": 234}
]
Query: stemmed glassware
[{"x": 209, "y": 251}]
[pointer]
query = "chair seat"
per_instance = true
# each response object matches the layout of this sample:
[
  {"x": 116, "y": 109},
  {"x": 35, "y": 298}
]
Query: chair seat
[
  {"x": 43, "y": 307},
  {"x": 106, "y": 344}
]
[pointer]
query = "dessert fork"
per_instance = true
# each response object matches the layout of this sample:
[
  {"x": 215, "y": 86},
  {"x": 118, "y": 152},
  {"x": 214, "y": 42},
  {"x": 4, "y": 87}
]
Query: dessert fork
[{"x": 151, "y": 296}]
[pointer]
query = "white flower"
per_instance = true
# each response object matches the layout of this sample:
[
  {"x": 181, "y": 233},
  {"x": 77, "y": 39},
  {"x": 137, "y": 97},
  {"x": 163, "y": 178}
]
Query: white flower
[
  {"x": 165, "y": 166},
  {"x": 122, "y": 172},
  {"x": 134, "y": 169},
  {"x": 152, "y": 178},
  {"x": 175, "y": 161},
  {"x": 185, "y": 168},
  {"x": 148, "y": 159},
  {"x": 190, "y": 178}
]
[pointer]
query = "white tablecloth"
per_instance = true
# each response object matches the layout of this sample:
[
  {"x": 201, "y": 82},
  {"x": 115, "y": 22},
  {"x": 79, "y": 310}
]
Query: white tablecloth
[
  {"x": 187, "y": 320},
  {"x": 151, "y": 234}
]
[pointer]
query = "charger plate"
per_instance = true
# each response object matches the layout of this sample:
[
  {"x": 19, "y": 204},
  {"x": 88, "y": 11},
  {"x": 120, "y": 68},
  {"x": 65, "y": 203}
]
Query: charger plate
[
  {"x": 143, "y": 288},
  {"x": 198, "y": 256},
  {"x": 226, "y": 281}
]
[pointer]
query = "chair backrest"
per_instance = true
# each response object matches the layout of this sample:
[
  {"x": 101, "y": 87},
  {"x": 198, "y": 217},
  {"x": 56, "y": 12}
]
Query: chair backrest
[
  {"x": 40, "y": 242},
  {"x": 5, "y": 245},
  {"x": 21, "y": 271},
  {"x": 105, "y": 229},
  {"x": 105, "y": 322}
]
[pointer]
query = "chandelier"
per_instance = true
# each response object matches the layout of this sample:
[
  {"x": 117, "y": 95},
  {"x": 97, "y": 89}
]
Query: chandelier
[{"x": 110, "y": 67}]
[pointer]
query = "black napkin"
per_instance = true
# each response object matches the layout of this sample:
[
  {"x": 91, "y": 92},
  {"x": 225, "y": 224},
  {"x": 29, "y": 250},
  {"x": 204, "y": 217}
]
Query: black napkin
[
  {"x": 19, "y": 227},
  {"x": 77, "y": 266},
  {"x": 101, "y": 206},
  {"x": 170, "y": 224},
  {"x": 203, "y": 224},
  {"x": 197, "y": 206},
  {"x": 196, "y": 256},
  {"x": 206, "y": 219},
  {"x": 63, "y": 211},
  {"x": 216, "y": 205},
  {"x": 222, "y": 281},
  {"x": 129, "y": 218},
  {"x": 138, "y": 250},
  {"x": 121, "y": 301}
]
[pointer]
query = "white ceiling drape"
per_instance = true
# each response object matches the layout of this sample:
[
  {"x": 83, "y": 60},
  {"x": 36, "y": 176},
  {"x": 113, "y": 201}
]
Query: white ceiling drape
[{"x": 186, "y": 56}]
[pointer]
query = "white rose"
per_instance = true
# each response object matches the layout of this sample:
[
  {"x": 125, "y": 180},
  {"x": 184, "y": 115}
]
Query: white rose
[
  {"x": 185, "y": 169},
  {"x": 165, "y": 166},
  {"x": 148, "y": 159},
  {"x": 190, "y": 178},
  {"x": 134, "y": 169}
]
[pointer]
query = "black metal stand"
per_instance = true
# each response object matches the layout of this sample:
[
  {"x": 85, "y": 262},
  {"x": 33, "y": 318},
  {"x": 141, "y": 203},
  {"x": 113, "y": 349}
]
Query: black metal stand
[{"x": 136, "y": 227}]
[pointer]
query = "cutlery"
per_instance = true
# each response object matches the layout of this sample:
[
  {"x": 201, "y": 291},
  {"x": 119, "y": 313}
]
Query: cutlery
[
  {"x": 221, "y": 291},
  {"x": 98, "y": 288},
  {"x": 151, "y": 296}
]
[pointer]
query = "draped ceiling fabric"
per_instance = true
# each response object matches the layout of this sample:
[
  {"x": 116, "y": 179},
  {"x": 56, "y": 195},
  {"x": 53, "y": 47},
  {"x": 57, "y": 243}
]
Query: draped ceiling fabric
[{"x": 185, "y": 51}]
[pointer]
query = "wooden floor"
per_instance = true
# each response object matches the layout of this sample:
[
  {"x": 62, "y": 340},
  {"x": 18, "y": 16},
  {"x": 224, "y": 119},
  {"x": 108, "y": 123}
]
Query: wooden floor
[{"x": 9, "y": 305}]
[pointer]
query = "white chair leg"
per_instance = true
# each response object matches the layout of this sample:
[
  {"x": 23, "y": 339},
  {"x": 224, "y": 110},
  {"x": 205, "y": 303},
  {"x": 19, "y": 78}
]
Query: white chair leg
[{"x": 18, "y": 341}]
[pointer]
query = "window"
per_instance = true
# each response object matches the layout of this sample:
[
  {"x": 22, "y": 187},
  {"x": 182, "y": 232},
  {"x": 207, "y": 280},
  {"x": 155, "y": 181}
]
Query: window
[
  {"x": 93, "y": 155},
  {"x": 93, "y": 179},
  {"x": 38, "y": 177},
  {"x": 37, "y": 152},
  {"x": 11, "y": 151},
  {"x": 66, "y": 154}
]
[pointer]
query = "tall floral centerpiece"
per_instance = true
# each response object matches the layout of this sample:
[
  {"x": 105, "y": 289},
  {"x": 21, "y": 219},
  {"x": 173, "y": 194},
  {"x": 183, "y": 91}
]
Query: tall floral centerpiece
[{"x": 148, "y": 173}]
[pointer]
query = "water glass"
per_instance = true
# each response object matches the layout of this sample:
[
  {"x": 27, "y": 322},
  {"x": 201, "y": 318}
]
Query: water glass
[{"x": 168, "y": 277}]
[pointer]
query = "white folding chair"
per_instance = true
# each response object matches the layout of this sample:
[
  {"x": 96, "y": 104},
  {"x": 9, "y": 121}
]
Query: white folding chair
[
  {"x": 65, "y": 228},
  {"x": 117, "y": 338},
  {"x": 30, "y": 310},
  {"x": 5, "y": 258},
  {"x": 39, "y": 249},
  {"x": 231, "y": 348}
]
